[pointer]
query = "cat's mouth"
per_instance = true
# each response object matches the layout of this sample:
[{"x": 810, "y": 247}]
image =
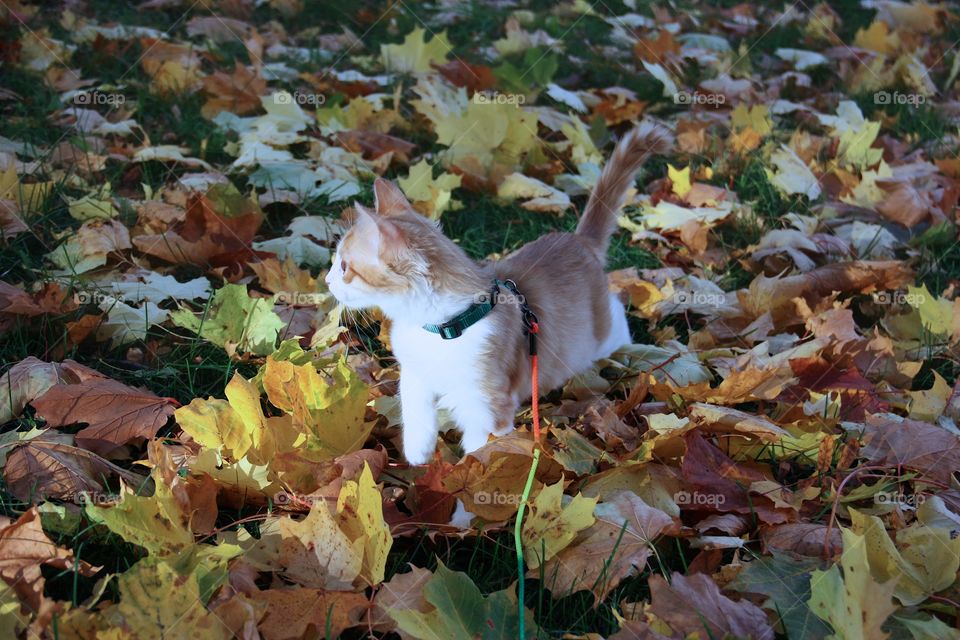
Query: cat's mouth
[{"x": 345, "y": 297}]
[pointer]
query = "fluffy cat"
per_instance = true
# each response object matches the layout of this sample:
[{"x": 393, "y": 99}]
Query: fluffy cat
[{"x": 396, "y": 259}]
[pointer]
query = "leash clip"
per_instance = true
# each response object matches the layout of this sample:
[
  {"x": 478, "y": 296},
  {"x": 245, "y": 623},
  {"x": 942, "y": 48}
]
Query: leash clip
[{"x": 531, "y": 324}]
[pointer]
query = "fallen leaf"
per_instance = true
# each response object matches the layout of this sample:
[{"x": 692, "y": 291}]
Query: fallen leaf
[{"x": 115, "y": 414}]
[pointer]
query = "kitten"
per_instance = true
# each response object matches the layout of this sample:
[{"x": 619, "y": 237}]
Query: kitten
[{"x": 396, "y": 259}]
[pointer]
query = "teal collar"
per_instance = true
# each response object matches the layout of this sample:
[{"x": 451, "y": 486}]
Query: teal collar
[{"x": 473, "y": 314}]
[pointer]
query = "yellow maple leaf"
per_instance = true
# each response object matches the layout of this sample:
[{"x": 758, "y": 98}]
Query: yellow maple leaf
[
  {"x": 680, "y": 179},
  {"x": 329, "y": 408},
  {"x": 877, "y": 37},
  {"x": 936, "y": 314},
  {"x": 172, "y": 76},
  {"x": 486, "y": 138},
  {"x": 551, "y": 526},
  {"x": 756, "y": 117},
  {"x": 159, "y": 523},
  {"x": 28, "y": 196},
  {"x": 415, "y": 54},
  {"x": 360, "y": 516},
  {"x": 428, "y": 195},
  {"x": 929, "y": 404},
  {"x": 924, "y": 561},
  {"x": 318, "y": 551},
  {"x": 237, "y": 426},
  {"x": 855, "y": 604},
  {"x": 98, "y": 204},
  {"x": 153, "y": 595},
  {"x": 856, "y": 146}
]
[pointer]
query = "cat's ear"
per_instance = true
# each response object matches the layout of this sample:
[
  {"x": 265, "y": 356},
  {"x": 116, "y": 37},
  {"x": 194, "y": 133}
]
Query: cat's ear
[
  {"x": 363, "y": 217},
  {"x": 382, "y": 236},
  {"x": 365, "y": 223},
  {"x": 389, "y": 198}
]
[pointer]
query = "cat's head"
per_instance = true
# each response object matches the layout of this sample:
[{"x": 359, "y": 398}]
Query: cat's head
[{"x": 395, "y": 258}]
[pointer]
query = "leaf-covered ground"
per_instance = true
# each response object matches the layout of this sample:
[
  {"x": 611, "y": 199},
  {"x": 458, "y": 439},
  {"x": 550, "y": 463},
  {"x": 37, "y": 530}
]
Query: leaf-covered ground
[{"x": 197, "y": 443}]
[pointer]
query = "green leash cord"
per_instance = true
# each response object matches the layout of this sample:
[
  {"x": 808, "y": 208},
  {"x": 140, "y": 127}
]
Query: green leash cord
[{"x": 516, "y": 537}]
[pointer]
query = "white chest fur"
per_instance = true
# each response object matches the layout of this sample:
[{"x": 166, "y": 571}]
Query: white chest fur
[{"x": 446, "y": 367}]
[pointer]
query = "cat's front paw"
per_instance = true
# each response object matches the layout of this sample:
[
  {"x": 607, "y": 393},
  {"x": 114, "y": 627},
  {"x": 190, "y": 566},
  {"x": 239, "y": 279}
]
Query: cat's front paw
[{"x": 418, "y": 457}]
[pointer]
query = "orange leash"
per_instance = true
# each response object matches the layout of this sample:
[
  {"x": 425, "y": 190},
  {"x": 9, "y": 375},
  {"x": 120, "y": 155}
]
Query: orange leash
[
  {"x": 533, "y": 329},
  {"x": 535, "y": 385}
]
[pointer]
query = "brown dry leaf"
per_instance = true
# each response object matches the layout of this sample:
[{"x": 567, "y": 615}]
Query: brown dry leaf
[
  {"x": 610, "y": 428},
  {"x": 475, "y": 77},
  {"x": 491, "y": 491},
  {"x": 716, "y": 419},
  {"x": 740, "y": 385},
  {"x": 218, "y": 229},
  {"x": 91, "y": 245},
  {"x": 772, "y": 295},
  {"x": 403, "y": 591},
  {"x": 692, "y": 136},
  {"x": 906, "y": 204},
  {"x": 31, "y": 378},
  {"x": 14, "y": 302},
  {"x": 49, "y": 465},
  {"x": 238, "y": 613},
  {"x": 24, "y": 548},
  {"x": 804, "y": 538},
  {"x": 238, "y": 92},
  {"x": 372, "y": 145},
  {"x": 921, "y": 446},
  {"x": 115, "y": 413},
  {"x": 619, "y": 105},
  {"x": 663, "y": 50},
  {"x": 11, "y": 222},
  {"x": 718, "y": 484},
  {"x": 693, "y": 605},
  {"x": 297, "y": 613}
]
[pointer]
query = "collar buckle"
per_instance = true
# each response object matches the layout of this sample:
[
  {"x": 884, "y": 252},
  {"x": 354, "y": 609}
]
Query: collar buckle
[{"x": 450, "y": 331}]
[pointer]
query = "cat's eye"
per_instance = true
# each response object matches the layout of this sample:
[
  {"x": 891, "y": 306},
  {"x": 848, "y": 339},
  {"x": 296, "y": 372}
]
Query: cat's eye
[{"x": 343, "y": 266}]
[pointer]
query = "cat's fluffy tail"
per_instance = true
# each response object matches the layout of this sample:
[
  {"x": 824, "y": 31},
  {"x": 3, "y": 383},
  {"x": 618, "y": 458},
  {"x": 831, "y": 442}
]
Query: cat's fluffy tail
[{"x": 599, "y": 219}]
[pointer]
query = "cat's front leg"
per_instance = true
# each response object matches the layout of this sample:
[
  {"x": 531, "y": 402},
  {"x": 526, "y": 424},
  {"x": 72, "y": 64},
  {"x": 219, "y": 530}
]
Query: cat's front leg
[
  {"x": 479, "y": 417},
  {"x": 419, "y": 411}
]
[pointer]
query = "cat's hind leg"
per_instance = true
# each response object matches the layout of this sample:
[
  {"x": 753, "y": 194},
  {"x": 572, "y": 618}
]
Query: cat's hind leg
[{"x": 619, "y": 330}]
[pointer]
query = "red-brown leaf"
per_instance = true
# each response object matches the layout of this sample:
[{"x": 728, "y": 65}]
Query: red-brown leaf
[{"x": 115, "y": 413}]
